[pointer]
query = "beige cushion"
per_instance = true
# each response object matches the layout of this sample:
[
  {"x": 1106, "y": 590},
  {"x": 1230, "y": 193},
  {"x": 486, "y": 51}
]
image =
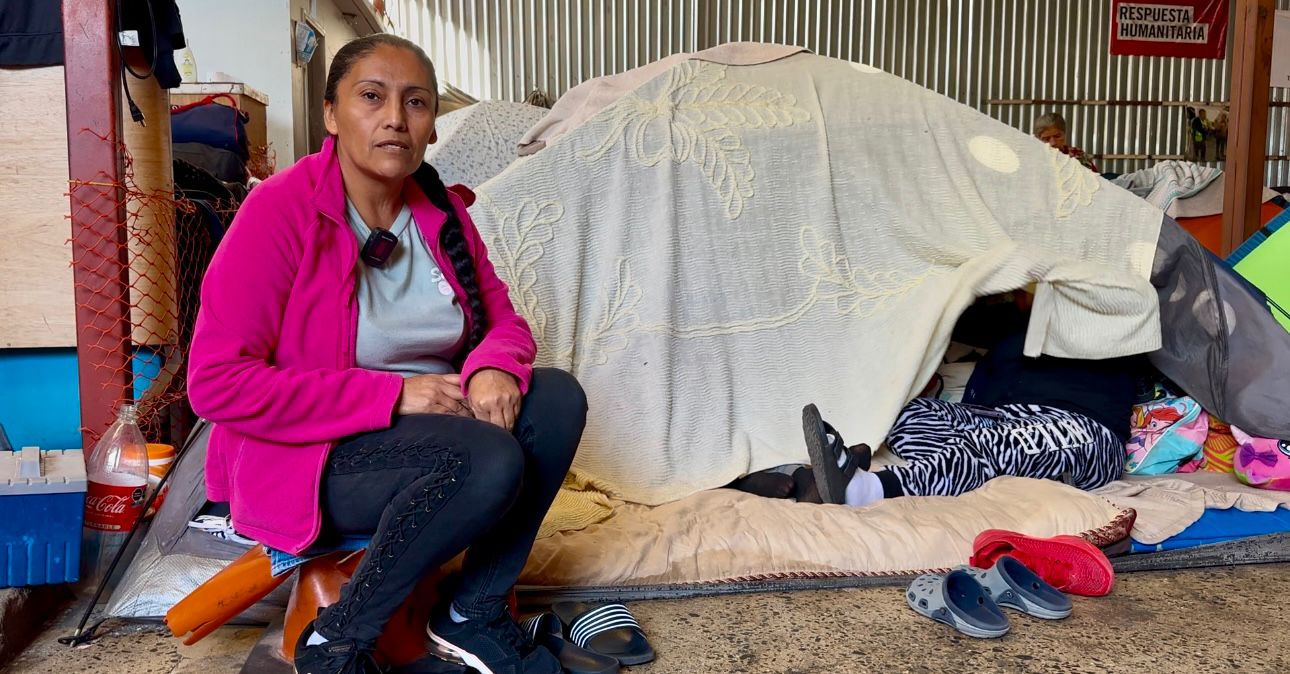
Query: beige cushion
[{"x": 724, "y": 535}]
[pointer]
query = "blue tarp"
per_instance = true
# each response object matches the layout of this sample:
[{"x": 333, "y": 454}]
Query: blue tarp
[{"x": 1222, "y": 526}]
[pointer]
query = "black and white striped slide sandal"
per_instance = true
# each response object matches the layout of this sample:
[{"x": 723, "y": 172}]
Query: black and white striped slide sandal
[
  {"x": 608, "y": 629},
  {"x": 545, "y": 630},
  {"x": 826, "y": 449}
]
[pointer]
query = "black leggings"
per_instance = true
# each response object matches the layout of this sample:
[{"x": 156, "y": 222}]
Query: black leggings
[{"x": 433, "y": 485}]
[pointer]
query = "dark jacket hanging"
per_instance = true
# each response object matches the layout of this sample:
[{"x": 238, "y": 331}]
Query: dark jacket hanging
[{"x": 31, "y": 33}]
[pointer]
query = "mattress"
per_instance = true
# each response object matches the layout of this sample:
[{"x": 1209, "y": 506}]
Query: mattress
[{"x": 1222, "y": 526}]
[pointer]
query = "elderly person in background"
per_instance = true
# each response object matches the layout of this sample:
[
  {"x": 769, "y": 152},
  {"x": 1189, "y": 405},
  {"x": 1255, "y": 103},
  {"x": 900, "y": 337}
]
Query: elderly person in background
[{"x": 1051, "y": 128}]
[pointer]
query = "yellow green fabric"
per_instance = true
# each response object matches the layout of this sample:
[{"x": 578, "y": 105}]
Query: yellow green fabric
[{"x": 1268, "y": 268}]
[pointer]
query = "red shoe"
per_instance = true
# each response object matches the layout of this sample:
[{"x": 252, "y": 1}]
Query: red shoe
[{"x": 1068, "y": 563}]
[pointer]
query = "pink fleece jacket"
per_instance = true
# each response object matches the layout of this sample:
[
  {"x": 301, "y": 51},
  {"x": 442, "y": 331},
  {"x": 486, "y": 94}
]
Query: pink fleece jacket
[{"x": 272, "y": 358}]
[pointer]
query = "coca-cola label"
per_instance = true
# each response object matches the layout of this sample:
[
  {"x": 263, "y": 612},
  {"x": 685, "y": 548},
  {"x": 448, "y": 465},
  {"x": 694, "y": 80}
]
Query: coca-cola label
[{"x": 111, "y": 507}]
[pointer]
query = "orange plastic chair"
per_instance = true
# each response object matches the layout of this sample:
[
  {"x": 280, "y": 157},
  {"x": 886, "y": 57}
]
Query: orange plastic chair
[
  {"x": 318, "y": 586},
  {"x": 237, "y": 587},
  {"x": 248, "y": 579}
]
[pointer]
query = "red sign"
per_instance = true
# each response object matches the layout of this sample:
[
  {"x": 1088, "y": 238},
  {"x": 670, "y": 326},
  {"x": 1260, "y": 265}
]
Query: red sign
[{"x": 1186, "y": 28}]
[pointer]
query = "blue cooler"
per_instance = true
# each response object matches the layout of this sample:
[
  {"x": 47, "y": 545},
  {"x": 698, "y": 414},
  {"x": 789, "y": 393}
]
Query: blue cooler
[{"x": 42, "y": 502}]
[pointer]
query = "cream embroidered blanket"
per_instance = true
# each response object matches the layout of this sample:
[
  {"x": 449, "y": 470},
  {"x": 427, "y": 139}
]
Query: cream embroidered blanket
[{"x": 726, "y": 244}]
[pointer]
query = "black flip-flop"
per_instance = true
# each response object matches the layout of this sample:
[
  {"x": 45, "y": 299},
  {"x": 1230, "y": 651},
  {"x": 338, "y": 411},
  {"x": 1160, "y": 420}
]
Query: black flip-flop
[
  {"x": 607, "y": 629},
  {"x": 804, "y": 489},
  {"x": 830, "y": 478},
  {"x": 546, "y": 630}
]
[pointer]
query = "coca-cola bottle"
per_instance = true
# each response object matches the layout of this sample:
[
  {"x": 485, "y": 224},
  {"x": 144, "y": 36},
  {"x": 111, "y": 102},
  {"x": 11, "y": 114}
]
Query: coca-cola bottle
[{"x": 118, "y": 481}]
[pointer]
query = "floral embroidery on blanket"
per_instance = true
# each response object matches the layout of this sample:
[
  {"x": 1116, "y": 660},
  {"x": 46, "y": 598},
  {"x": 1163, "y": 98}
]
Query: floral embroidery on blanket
[
  {"x": 520, "y": 243},
  {"x": 517, "y": 243},
  {"x": 1075, "y": 184},
  {"x": 694, "y": 119}
]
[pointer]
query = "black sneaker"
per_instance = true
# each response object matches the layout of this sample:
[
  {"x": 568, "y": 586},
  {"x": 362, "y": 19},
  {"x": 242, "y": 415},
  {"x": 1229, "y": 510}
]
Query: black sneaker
[
  {"x": 432, "y": 664},
  {"x": 491, "y": 646},
  {"x": 339, "y": 656}
]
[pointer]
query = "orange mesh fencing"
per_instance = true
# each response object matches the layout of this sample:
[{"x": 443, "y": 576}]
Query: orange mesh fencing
[
  {"x": 138, "y": 278},
  {"x": 263, "y": 160}
]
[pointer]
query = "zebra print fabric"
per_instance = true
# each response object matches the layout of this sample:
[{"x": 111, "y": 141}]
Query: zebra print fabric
[{"x": 953, "y": 448}]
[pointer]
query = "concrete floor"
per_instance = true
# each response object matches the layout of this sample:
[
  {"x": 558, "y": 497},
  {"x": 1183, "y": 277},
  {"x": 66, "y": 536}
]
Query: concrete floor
[{"x": 1227, "y": 619}]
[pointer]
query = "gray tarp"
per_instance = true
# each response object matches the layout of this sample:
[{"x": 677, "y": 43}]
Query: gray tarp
[
  {"x": 1221, "y": 344},
  {"x": 173, "y": 559}
]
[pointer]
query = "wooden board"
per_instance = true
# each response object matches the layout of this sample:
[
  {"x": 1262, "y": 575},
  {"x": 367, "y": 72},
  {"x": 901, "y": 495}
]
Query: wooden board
[
  {"x": 154, "y": 313},
  {"x": 36, "y": 305}
]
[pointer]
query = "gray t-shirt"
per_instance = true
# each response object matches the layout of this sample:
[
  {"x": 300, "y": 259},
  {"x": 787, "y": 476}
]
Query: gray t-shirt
[{"x": 409, "y": 321}]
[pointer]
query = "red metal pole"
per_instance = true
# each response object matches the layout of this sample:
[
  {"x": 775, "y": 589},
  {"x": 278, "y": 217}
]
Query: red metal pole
[{"x": 99, "y": 252}]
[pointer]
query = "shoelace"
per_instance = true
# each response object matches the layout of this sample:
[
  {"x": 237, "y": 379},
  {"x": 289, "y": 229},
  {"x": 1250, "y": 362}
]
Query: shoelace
[
  {"x": 510, "y": 633},
  {"x": 365, "y": 663}
]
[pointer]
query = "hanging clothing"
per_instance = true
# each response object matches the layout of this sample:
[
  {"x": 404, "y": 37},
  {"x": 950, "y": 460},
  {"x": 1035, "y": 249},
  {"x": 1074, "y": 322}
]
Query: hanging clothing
[
  {"x": 161, "y": 32},
  {"x": 31, "y": 33},
  {"x": 1102, "y": 390}
]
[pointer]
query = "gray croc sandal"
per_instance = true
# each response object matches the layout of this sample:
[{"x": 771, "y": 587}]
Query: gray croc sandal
[
  {"x": 958, "y": 600},
  {"x": 1014, "y": 586}
]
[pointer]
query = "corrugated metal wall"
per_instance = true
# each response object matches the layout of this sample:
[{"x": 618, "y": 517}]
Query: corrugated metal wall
[
  {"x": 1278, "y": 170},
  {"x": 979, "y": 52}
]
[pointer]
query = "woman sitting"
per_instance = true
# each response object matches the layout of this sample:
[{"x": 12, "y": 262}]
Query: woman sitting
[{"x": 368, "y": 376}]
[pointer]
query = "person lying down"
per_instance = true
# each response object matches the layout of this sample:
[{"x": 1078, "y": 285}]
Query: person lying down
[{"x": 1047, "y": 418}]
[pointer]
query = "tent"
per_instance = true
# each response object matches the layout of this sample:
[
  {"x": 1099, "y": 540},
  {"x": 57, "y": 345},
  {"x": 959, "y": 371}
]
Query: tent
[
  {"x": 478, "y": 141},
  {"x": 721, "y": 244},
  {"x": 1265, "y": 266},
  {"x": 1223, "y": 346},
  {"x": 172, "y": 558}
]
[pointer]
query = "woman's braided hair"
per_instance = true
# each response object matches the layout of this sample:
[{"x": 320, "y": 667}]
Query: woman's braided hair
[{"x": 452, "y": 237}]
